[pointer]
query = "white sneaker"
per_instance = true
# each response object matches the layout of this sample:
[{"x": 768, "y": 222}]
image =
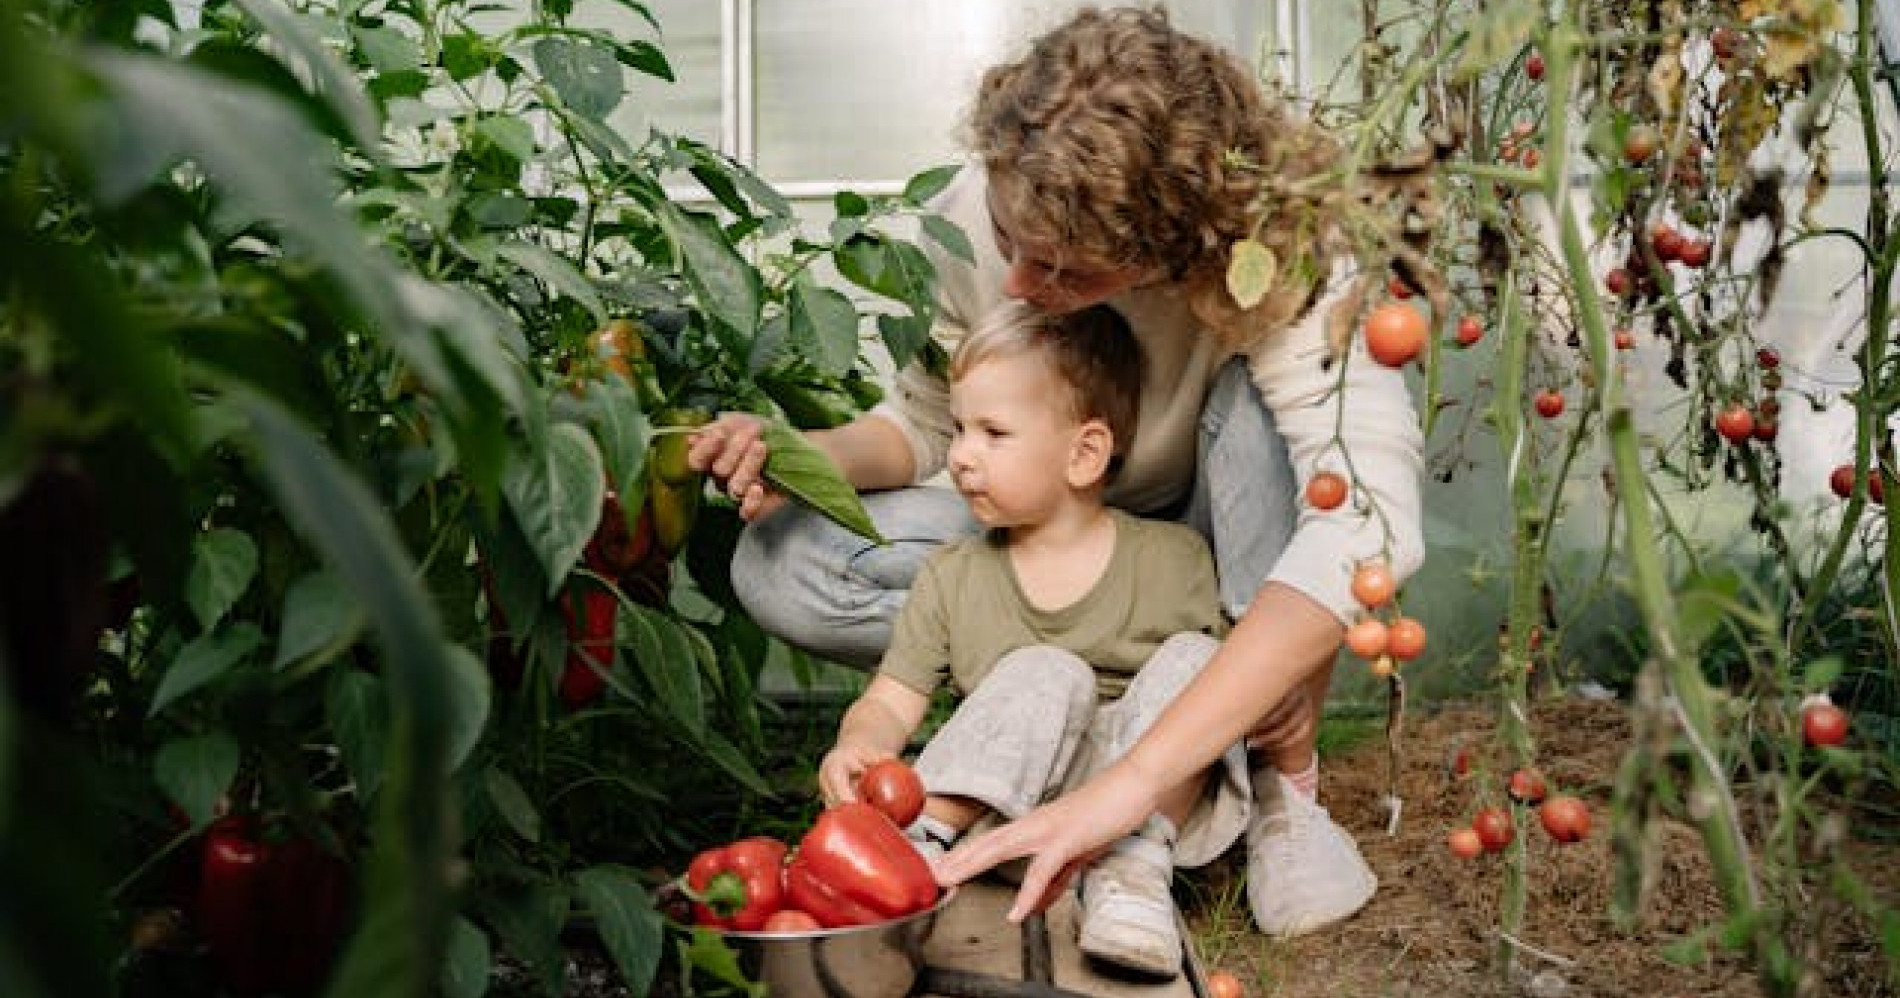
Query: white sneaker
[
  {"x": 1128, "y": 906},
  {"x": 1303, "y": 871}
]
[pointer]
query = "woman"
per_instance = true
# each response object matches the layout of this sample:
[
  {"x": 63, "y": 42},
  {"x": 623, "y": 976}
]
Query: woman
[{"x": 1119, "y": 161}]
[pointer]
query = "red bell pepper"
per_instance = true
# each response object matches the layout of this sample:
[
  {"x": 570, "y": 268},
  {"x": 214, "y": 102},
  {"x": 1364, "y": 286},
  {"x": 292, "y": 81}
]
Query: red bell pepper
[
  {"x": 272, "y": 912},
  {"x": 738, "y": 885},
  {"x": 590, "y": 643},
  {"x": 855, "y": 867}
]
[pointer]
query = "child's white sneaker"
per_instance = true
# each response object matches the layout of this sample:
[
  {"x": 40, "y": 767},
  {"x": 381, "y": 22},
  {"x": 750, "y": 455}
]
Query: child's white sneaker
[{"x": 1128, "y": 916}]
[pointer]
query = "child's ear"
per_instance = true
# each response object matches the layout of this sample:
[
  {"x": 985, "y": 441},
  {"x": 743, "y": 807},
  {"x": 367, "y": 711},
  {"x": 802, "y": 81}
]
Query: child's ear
[{"x": 1089, "y": 458}]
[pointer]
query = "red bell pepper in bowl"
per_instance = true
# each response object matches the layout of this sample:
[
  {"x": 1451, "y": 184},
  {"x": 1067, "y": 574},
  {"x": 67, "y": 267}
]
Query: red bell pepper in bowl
[
  {"x": 855, "y": 867},
  {"x": 738, "y": 885}
]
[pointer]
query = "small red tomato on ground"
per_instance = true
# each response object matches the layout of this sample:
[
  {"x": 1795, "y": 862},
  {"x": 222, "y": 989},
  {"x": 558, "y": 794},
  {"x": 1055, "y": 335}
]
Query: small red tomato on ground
[
  {"x": 1470, "y": 330},
  {"x": 1326, "y": 490},
  {"x": 1526, "y": 786},
  {"x": 891, "y": 786},
  {"x": 1494, "y": 828},
  {"x": 1373, "y": 585},
  {"x": 1640, "y": 143},
  {"x": 1222, "y": 984},
  {"x": 1464, "y": 843},
  {"x": 1624, "y": 339},
  {"x": 1534, "y": 66},
  {"x": 1618, "y": 281},
  {"x": 1735, "y": 423},
  {"x": 791, "y": 920},
  {"x": 1405, "y": 639},
  {"x": 1368, "y": 638},
  {"x": 1565, "y": 818},
  {"x": 1549, "y": 403},
  {"x": 1394, "y": 334},
  {"x": 1822, "y": 723}
]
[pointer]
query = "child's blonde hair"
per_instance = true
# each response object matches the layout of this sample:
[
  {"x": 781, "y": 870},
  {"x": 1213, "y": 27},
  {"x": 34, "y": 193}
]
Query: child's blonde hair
[{"x": 1092, "y": 353}]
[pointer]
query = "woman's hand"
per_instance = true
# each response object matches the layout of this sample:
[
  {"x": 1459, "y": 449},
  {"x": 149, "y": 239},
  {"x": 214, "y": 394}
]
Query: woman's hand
[
  {"x": 838, "y": 772},
  {"x": 1061, "y": 837},
  {"x": 731, "y": 449}
]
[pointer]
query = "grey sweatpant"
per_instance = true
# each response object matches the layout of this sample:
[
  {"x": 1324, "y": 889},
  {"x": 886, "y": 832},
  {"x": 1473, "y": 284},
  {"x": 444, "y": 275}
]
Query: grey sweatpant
[{"x": 1033, "y": 729}]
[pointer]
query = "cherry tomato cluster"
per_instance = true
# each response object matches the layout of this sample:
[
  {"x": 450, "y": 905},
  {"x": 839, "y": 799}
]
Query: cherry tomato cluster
[
  {"x": 1382, "y": 642},
  {"x": 1565, "y": 818}
]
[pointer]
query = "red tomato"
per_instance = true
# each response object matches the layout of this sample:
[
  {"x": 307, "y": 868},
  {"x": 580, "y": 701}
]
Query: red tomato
[
  {"x": 1565, "y": 818},
  {"x": 1470, "y": 330},
  {"x": 1618, "y": 281},
  {"x": 1822, "y": 723},
  {"x": 1766, "y": 429},
  {"x": 1695, "y": 253},
  {"x": 1367, "y": 638},
  {"x": 1841, "y": 480},
  {"x": 1373, "y": 585},
  {"x": 1397, "y": 288},
  {"x": 1526, "y": 786},
  {"x": 1549, "y": 403},
  {"x": 1326, "y": 490},
  {"x": 1534, "y": 66},
  {"x": 891, "y": 786},
  {"x": 1768, "y": 357},
  {"x": 1221, "y": 984},
  {"x": 1625, "y": 340},
  {"x": 791, "y": 920},
  {"x": 1735, "y": 423},
  {"x": 1530, "y": 158},
  {"x": 1394, "y": 334},
  {"x": 1494, "y": 828},
  {"x": 1666, "y": 241},
  {"x": 1405, "y": 639},
  {"x": 1464, "y": 843}
]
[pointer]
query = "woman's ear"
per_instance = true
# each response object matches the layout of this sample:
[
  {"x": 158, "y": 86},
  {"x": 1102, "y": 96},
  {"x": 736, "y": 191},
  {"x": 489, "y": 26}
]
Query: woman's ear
[{"x": 1091, "y": 454}]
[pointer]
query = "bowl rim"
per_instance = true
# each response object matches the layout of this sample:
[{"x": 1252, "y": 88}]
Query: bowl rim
[{"x": 944, "y": 898}]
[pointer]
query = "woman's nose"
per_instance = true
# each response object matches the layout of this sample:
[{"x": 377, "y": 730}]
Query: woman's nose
[{"x": 1021, "y": 279}]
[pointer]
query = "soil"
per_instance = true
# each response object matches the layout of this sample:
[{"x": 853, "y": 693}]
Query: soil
[{"x": 1432, "y": 928}]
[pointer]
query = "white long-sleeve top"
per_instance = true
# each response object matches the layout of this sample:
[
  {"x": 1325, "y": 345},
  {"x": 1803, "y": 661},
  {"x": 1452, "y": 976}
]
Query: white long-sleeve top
[{"x": 1367, "y": 418}]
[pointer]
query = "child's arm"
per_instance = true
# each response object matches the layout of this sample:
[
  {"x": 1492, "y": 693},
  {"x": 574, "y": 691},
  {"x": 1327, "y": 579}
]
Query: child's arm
[{"x": 876, "y": 726}]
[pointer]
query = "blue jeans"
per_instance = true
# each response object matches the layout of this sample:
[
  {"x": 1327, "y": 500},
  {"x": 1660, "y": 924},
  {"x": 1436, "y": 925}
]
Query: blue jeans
[{"x": 834, "y": 594}]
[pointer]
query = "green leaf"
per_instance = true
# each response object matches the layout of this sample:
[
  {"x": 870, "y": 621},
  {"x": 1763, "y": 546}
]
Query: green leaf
[
  {"x": 644, "y": 57},
  {"x": 319, "y": 615},
  {"x": 824, "y": 326},
  {"x": 585, "y": 74},
  {"x": 512, "y": 803},
  {"x": 929, "y": 183},
  {"x": 628, "y": 923},
  {"x": 906, "y": 337},
  {"x": 335, "y": 82},
  {"x": 556, "y": 496},
  {"x": 735, "y": 762},
  {"x": 850, "y": 204},
  {"x": 1251, "y": 271},
  {"x": 195, "y": 772},
  {"x": 727, "y": 287},
  {"x": 624, "y": 434},
  {"x": 805, "y": 473},
  {"x": 358, "y": 714},
  {"x": 667, "y": 663},
  {"x": 470, "y": 696},
  {"x": 529, "y": 921},
  {"x": 707, "y": 951},
  {"x": 402, "y": 928},
  {"x": 223, "y": 564},
  {"x": 949, "y": 235},
  {"x": 386, "y": 49},
  {"x": 509, "y": 134},
  {"x": 204, "y": 659},
  {"x": 1821, "y": 674},
  {"x": 466, "y": 970},
  {"x": 557, "y": 272}
]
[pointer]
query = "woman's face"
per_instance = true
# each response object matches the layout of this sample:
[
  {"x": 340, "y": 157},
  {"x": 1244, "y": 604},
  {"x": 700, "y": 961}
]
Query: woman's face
[{"x": 1036, "y": 278}]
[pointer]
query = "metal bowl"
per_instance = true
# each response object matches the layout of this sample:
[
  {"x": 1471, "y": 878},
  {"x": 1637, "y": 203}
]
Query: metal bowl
[{"x": 860, "y": 961}]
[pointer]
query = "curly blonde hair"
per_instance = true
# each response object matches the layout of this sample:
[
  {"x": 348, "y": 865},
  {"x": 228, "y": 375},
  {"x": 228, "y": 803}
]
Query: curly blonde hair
[{"x": 1125, "y": 142}]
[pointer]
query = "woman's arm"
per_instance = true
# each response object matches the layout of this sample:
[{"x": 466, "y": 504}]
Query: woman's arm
[
  {"x": 870, "y": 451},
  {"x": 1265, "y": 656}
]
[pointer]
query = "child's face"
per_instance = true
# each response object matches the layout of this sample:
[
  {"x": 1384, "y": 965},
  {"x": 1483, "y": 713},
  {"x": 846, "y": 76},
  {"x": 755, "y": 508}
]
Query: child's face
[{"x": 1015, "y": 440}]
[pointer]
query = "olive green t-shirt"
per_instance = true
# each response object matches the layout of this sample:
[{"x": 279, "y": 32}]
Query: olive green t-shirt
[{"x": 966, "y": 609}]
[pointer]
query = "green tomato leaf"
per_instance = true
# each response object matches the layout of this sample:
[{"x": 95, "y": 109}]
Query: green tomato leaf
[
  {"x": 386, "y": 49},
  {"x": 727, "y": 287},
  {"x": 586, "y": 74},
  {"x": 223, "y": 564},
  {"x": 466, "y": 970},
  {"x": 204, "y": 659},
  {"x": 929, "y": 184},
  {"x": 510, "y": 135},
  {"x": 949, "y": 235},
  {"x": 470, "y": 696},
  {"x": 512, "y": 803},
  {"x": 666, "y": 662},
  {"x": 195, "y": 772},
  {"x": 529, "y": 921},
  {"x": 628, "y": 923},
  {"x": 319, "y": 615},
  {"x": 555, "y": 495},
  {"x": 557, "y": 272},
  {"x": 359, "y": 718},
  {"x": 336, "y": 83},
  {"x": 803, "y": 472}
]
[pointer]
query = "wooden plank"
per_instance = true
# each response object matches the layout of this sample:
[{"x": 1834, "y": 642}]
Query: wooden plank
[{"x": 973, "y": 935}]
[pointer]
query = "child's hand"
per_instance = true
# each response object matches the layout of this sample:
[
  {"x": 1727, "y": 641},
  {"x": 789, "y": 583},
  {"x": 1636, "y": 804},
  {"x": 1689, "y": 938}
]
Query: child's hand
[{"x": 838, "y": 772}]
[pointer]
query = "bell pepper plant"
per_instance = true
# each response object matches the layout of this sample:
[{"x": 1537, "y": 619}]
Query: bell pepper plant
[
  {"x": 272, "y": 910},
  {"x": 739, "y": 885},
  {"x": 855, "y": 867}
]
